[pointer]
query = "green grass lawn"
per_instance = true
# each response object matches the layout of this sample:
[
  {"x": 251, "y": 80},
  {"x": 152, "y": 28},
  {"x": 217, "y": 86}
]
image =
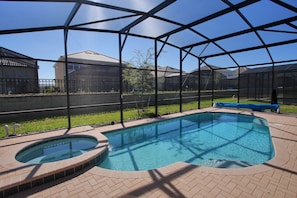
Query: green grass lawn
[{"x": 48, "y": 124}]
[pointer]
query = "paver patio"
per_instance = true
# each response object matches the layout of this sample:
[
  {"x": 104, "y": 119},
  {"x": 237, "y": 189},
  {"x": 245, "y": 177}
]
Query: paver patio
[{"x": 275, "y": 178}]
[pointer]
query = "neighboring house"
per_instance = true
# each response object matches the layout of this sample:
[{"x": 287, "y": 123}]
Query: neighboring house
[
  {"x": 171, "y": 80},
  {"x": 223, "y": 78},
  {"x": 231, "y": 78},
  {"x": 167, "y": 78},
  {"x": 18, "y": 73},
  {"x": 88, "y": 71}
]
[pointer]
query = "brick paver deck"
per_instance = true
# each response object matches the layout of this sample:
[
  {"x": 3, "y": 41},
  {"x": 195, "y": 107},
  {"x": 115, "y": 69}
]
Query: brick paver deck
[{"x": 275, "y": 178}]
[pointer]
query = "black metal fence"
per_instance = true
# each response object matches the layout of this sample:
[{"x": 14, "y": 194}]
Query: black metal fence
[
  {"x": 252, "y": 85},
  {"x": 24, "y": 86},
  {"x": 18, "y": 86}
]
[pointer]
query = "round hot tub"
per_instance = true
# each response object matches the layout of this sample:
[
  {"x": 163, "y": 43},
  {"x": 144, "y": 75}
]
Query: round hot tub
[{"x": 56, "y": 149}]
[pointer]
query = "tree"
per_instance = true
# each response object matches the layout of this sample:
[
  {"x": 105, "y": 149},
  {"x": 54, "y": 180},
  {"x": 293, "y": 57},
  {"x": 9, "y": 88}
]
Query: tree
[{"x": 138, "y": 74}]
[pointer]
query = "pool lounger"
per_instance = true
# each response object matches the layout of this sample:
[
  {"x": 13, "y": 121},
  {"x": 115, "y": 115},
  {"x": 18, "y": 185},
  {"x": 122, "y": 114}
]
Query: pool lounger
[{"x": 254, "y": 107}]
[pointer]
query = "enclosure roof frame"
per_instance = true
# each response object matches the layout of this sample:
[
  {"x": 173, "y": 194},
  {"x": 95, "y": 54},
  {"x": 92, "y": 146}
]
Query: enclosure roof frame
[{"x": 160, "y": 11}]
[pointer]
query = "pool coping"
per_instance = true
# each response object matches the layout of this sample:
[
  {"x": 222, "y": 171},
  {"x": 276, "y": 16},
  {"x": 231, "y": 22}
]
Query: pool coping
[{"x": 16, "y": 176}]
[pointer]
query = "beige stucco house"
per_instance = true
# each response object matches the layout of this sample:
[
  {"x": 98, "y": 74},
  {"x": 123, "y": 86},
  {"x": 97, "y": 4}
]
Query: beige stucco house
[{"x": 88, "y": 71}]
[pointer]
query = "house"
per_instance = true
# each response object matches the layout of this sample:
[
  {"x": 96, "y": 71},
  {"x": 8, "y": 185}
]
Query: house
[
  {"x": 18, "y": 73},
  {"x": 88, "y": 71},
  {"x": 223, "y": 78},
  {"x": 167, "y": 78}
]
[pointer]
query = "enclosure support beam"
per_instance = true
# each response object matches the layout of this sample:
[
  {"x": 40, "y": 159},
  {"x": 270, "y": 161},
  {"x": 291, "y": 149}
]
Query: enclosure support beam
[
  {"x": 156, "y": 77},
  {"x": 238, "y": 85},
  {"x": 273, "y": 91},
  {"x": 212, "y": 85},
  {"x": 187, "y": 53},
  {"x": 180, "y": 80},
  {"x": 147, "y": 15},
  {"x": 199, "y": 82},
  {"x": 67, "y": 78},
  {"x": 121, "y": 75},
  {"x": 163, "y": 45}
]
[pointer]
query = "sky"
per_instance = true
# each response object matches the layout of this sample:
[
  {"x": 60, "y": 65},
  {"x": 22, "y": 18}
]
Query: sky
[{"x": 50, "y": 44}]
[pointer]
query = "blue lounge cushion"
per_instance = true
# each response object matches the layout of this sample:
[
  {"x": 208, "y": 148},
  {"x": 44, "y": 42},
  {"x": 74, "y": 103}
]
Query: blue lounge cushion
[{"x": 254, "y": 107}]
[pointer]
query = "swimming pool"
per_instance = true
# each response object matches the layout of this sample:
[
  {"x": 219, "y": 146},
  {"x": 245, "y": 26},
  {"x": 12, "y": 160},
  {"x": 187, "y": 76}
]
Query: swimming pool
[
  {"x": 223, "y": 140},
  {"x": 56, "y": 149}
]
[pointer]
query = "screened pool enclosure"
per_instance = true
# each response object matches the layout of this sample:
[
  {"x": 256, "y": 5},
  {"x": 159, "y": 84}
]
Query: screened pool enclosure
[{"x": 206, "y": 48}]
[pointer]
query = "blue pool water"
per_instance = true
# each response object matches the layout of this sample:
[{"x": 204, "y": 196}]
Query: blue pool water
[
  {"x": 221, "y": 140},
  {"x": 55, "y": 150}
]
